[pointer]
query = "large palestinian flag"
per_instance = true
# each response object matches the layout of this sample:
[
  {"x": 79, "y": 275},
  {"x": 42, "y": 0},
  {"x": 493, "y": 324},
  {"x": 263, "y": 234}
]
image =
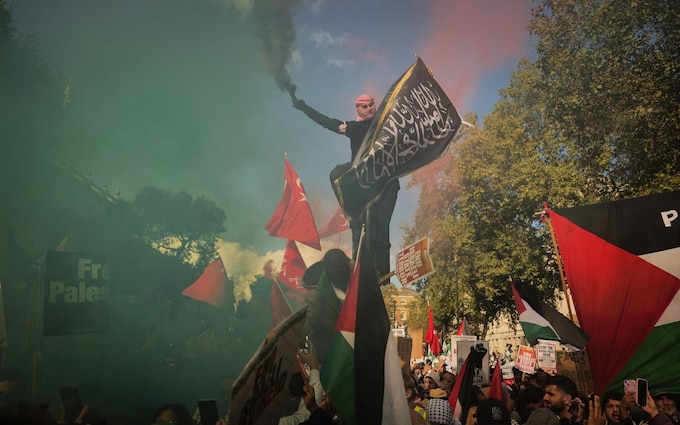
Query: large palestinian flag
[
  {"x": 622, "y": 261},
  {"x": 361, "y": 371}
]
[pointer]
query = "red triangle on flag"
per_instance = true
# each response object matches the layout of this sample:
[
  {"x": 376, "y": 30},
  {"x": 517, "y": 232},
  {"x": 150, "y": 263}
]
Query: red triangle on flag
[
  {"x": 348, "y": 313},
  {"x": 211, "y": 286},
  {"x": 293, "y": 217},
  {"x": 292, "y": 267},
  {"x": 337, "y": 224},
  {"x": 603, "y": 280},
  {"x": 462, "y": 393},
  {"x": 495, "y": 389}
]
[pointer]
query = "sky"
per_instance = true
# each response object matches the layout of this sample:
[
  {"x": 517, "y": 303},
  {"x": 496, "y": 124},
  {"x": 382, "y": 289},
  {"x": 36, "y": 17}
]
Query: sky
[{"x": 181, "y": 94}]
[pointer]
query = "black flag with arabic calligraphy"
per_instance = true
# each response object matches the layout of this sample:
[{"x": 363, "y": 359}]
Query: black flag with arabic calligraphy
[{"x": 413, "y": 126}]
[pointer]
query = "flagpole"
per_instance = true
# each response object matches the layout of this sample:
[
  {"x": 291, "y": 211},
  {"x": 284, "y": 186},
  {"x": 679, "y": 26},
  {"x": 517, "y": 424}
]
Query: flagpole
[
  {"x": 567, "y": 294},
  {"x": 558, "y": 258},
  {"x": 278, "y": 286}
]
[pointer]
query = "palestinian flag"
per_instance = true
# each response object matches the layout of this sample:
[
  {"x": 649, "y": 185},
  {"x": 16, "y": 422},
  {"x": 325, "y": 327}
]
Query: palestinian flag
[
  {"x": 540, "y": 321},
  {"x": 463, "y": 394},
  {"x": 413, "y": 126},
  {"x": 622, "y": 261},
  {"x": 361, "y": 371}
]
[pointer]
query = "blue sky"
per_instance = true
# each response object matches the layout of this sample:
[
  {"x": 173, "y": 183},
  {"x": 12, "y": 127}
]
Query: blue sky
[{"x": 175, "y": 93}]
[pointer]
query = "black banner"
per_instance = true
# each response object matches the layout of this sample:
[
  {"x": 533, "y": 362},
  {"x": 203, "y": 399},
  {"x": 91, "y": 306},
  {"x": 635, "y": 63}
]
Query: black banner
[
  {"x": 76, "y": 293},
  {"x": 413, "y": 126}
]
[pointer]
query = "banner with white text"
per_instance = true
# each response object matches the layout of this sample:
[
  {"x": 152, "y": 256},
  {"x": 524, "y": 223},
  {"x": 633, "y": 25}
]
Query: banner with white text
[
  {"x": 414, "y": 262},
  {"x": 76, "y": 293}
]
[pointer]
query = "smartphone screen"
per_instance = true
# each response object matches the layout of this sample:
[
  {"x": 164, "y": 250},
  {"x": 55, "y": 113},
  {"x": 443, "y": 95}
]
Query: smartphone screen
[
  {"x": 641, "y": 397},
  {"x": 208, "y": 411},
  {"x": 70, "y": 399}
]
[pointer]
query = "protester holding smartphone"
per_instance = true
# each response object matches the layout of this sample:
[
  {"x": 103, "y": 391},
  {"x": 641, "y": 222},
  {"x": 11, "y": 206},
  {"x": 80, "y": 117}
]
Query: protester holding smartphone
[
  {"x": 309, "y": 357},
  {"x": 595, "y": 414},
  {"x": 628, "y": 405}
]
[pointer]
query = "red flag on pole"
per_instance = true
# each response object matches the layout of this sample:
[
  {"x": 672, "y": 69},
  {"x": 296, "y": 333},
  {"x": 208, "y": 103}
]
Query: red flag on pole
[
  {"x": 293, "y": 217},
  {"x": 337, "y": 224},
  {"x": 292, "y": 267},
  {"x": 211, "y": 286},
  {"x": 430, "y": 333},
  {"x": 436, "y": 346},
  {"x": 463, "y": 328}
]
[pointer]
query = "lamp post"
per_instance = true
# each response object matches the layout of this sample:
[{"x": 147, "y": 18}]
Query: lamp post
[
  {"x": 394, "y": 312},
  {"x": 455, "y": 265}
]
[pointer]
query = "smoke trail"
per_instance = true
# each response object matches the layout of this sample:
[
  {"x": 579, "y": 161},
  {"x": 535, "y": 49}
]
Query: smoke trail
[{"x": 273, "y": 25}]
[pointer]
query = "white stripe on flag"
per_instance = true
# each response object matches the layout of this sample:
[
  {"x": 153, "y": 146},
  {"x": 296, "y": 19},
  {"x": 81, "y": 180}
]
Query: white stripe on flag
[{"x": 395, "y": 406}]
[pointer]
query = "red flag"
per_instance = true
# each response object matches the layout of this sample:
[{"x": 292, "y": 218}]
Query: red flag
[
  {"x": 337, "y": 224},
  {"x": 292, "y": 267},
  {"x": 436, "y": 346},
  {"x": 462, "y": 329},
  {"x": 430, "y": 333},
  {"x": 293, "y": 217},
  {"x": 211, "y": 286},
  {"x": 495, "y": 389}
]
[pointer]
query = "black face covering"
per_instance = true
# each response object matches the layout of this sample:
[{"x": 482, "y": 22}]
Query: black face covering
[{"x": 337, "y": 268}]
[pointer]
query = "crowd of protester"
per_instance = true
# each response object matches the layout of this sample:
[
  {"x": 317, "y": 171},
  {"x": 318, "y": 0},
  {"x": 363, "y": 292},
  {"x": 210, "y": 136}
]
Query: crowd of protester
[
  {"x": 533, "y": 399},
  {"x": 536, "y": 399}
]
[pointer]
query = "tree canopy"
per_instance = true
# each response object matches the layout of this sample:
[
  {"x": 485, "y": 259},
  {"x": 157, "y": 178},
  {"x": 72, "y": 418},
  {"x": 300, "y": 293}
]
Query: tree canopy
[
  {"x": 593, "y": 118},
  {"x": 179, "y": 224}
]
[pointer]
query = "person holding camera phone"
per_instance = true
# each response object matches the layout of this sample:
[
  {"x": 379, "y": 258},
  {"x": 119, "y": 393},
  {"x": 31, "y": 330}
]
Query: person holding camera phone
[
  {"x": 595, "y": 415},
  {"x": 308, "y": 357},
  {"x": 649, "y": 411}
]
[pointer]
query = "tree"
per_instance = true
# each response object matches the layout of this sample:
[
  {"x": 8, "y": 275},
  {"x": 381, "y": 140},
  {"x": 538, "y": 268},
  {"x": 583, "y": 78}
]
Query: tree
[
  {"x": 593, "y": 118},
  {"x": 180, "y": 225},
  {"x": 611, "y": 81},
  {"x": 389, "y": 294},
  {"x": 31, "y": 102}
]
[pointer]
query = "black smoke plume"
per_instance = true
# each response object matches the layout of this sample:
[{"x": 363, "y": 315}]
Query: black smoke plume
[{"x": 273, "y": 20}]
